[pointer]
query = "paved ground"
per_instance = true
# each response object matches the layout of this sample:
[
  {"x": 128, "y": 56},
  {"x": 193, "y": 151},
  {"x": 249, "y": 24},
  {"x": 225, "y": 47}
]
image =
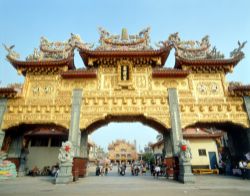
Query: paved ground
[{"x": 114, "y": 185}]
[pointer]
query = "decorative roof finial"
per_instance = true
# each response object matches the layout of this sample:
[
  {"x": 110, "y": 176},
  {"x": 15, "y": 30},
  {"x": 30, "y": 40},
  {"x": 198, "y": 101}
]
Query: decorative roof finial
[
  {"x": 237, "y": 51},
  {"x": 124, "y": 35},
  {"x": 11, "y": 52}
]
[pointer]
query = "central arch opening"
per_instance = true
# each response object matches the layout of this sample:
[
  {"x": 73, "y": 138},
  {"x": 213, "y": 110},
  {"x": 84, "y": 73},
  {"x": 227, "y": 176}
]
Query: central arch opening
[
  {"x": 134, "y": 132},
  {"x": 123, "y": 140}
]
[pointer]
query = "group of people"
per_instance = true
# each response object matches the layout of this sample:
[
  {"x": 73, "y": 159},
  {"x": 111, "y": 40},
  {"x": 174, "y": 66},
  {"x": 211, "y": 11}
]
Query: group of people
[
  {"x": 156, "y": 170},
  {"x": 141, "y": 168},
  {"x": 46, "y": 171},
  {"x": 102, "y": 170},
  {"x": 138, "y": 168}
]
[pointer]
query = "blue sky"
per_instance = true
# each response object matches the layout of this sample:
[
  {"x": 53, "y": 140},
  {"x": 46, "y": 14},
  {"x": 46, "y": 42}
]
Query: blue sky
[{"x": 23, "y": 23}]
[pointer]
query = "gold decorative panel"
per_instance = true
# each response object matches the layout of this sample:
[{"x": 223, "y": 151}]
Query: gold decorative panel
[{"x": 47, "y": 98}]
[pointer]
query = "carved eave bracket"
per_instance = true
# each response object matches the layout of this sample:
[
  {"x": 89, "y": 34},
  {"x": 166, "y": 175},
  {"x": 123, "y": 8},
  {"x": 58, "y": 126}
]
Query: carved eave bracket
[
  {"x": 7, "y": 92},
  {"x": 239, "y": 90}
]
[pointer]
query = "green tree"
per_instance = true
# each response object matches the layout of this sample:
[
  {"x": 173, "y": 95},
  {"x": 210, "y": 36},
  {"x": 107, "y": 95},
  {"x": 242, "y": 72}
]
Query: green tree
[{"x": 148, "y": 157}]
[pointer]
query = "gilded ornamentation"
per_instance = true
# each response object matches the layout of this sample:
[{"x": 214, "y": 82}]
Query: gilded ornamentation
[
  {"x": 125, "y": 74},
  {"x": 208, "y": 88},
  {"x": 124, "y": 41},
  {"x": 124, "y": 86},
  {"x": 214, "y": 88},
  {"x": 202, "y": 88}
]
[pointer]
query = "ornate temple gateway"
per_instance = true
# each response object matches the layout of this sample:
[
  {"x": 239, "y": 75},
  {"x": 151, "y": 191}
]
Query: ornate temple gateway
[{"x": 124, "y": 79}]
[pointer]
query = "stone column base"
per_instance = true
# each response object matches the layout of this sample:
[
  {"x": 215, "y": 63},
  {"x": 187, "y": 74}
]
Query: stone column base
[
  {"x": 185, "y": 174},
  {"x": 64, "y": 174}
]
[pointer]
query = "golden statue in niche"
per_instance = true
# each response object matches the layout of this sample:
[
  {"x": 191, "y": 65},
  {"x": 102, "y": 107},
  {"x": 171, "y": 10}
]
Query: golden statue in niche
[{"x": 124, "y": 72}]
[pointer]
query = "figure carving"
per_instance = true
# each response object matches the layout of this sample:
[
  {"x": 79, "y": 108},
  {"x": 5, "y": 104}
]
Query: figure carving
[
  {"x": 214, "y": 88},
  {"x": 237, "y": 51},
  {"x": 36, "y": 90},
  {"x": 103, "y": 34},
  {"x": 205, "y": 42},
  {"x": 76, "y": 41},
  {"x": 214, "y": 54},
  {"x": 37, "y": 55},
  {"x": 185, "y": 154},
  {"x": 47, "y": 89},
  {"x": 145, "y": 33},
  {"x": 191, "y": 49},
  {"x": 174, "y": 38},
  {"x": 11, "y": 52},
  {"x": 66, "y": 152}
]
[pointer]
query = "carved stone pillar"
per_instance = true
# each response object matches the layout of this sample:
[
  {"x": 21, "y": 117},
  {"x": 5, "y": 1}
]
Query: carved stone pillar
[
  {"x": 176, "y": 133},
  {"x": 74, "y": 130},
  {"x": 3, "y": 104},
  {"x": 185, "y": 174},
  {"x": 167, "y": 145}
]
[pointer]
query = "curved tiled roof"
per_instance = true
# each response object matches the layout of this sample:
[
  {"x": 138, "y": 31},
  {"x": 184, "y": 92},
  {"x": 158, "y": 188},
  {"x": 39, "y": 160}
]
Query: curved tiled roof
[
  {"x": 96, "y": 54},
  {"x": 7, "y": 92},
  {"x": 239, "y": 90}
]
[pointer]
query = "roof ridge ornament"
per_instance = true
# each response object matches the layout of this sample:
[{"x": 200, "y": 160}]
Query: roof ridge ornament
[
  {"x": 124, "y": 42},
  {"x": 55, "y": 50},
  {"x": 191, "y": 49},
  {"x": 11, "y": 52},
  {"x": 124, "y": 35},
  {"x": 237, "y": 52}
]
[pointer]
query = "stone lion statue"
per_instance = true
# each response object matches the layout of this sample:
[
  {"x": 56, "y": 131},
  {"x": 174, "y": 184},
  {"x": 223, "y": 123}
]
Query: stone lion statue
[
  {"x": 66, "y": 152},
  {"x": 185, "y": 154}
]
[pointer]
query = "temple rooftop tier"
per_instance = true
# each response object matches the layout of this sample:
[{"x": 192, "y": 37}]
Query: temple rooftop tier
[{"x": 190, "y": 55}]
